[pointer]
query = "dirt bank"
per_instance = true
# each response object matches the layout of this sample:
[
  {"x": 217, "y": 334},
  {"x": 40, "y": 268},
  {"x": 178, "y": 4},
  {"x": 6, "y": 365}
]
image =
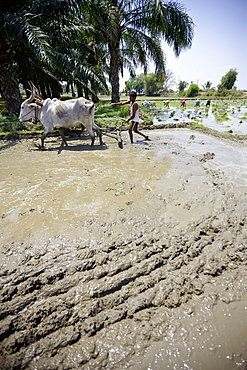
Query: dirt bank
[{"x": 130, "y": 258}]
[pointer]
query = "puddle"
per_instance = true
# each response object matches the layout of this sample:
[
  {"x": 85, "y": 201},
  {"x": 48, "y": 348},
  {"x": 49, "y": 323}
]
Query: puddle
[
  {"x": 49, "y": 193},
  {"x": 196, "y": 339}
]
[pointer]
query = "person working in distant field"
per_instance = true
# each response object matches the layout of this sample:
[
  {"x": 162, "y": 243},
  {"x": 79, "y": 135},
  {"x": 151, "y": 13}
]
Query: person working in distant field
[
  {"x": 197, "y": 104},
  {"x": 208, "y": 102},
  {"x": 166, "y": 103},
  {"x": 183, "y": 103},
  {"x": 134, "y": 118}
]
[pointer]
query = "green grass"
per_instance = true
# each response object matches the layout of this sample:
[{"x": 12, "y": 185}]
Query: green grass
[
  {"x": 12, "y": 127},
  {"x": 197, "y": 125},
  {"x": 9, "y": 123}
]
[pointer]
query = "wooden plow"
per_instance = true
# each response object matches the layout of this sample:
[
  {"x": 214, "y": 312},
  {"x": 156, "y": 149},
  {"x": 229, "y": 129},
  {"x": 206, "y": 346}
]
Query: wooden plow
[{"x": 115, "y": 133}]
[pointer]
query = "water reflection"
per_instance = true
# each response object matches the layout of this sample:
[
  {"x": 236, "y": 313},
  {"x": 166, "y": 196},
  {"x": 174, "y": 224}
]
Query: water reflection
[{"x": 221, "y": 116}]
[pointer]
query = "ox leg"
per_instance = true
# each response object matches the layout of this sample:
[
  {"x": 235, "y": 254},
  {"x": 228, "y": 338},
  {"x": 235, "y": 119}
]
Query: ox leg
[
  {"x": 61, "y": 132},
  {"x": 91, "y": 133},
  {"x": 43, "y": 139},
  {"x": 82, "y": 129},
  {"x": 99, "y": 133}
]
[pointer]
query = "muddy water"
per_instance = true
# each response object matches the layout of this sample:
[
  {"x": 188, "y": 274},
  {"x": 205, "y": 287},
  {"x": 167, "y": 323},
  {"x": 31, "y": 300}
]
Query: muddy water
[
  {"x": 50, "y": 193},
  {"x": 124, "y": 259},
  {"x": 236, "y": 121}
]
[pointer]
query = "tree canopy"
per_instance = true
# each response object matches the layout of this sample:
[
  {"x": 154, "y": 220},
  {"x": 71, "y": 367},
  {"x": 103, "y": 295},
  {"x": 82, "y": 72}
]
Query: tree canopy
[
  {"x": 150, "y": 83},
  {"x": 82, "y": 42},
  {"x": 207, "y": 86},
  {"x": 132, "y": 32},
  {"x": 47, "y": 42},
  {"x": 228, "y": 80},
  {"x": 192, "y": 91},
  {"x": 182, "y": 85},
  {"x": 135, "y": 83}
]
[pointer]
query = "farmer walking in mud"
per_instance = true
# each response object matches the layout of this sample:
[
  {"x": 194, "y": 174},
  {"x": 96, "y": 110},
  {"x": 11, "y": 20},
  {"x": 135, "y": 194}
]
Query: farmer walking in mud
[{"x": 134, "y": 118}]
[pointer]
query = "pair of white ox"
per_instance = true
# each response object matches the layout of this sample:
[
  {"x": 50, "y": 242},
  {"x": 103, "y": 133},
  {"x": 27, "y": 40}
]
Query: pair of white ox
[{"x": 56, "y": 114}]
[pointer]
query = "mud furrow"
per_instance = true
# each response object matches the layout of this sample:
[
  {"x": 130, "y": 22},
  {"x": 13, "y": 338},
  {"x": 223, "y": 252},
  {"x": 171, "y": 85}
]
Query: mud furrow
[
  {"x": 99, "y": 266},
  {"x": 65, "y": 305},
  {"x": 100, "y": 303}
]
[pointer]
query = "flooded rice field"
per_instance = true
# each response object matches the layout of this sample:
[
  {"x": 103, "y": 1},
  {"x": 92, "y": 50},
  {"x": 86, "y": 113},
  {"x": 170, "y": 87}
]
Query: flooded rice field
[
  {"x": 228, "y": 116},
  {"x": 130, "y": 258}
]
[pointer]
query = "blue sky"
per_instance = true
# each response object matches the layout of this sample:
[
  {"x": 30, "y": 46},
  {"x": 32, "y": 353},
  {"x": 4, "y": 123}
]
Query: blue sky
[{"x": 219, "y": 44}]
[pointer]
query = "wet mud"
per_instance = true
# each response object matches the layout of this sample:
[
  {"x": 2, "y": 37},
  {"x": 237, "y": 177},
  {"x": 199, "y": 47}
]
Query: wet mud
[{"x": 130, "y": 258}]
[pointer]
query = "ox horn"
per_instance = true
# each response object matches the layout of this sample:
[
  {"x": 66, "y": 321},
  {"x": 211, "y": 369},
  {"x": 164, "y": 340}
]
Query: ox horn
[
  {"x": 32, "y": 96},
  {"x": 35, "y": 95},
  {"x": 39, "y": 102}
]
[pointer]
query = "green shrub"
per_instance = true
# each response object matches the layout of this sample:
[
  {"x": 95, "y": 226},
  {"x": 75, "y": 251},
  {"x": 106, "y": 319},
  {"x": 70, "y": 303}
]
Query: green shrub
[{"x": 192, "y": 91}]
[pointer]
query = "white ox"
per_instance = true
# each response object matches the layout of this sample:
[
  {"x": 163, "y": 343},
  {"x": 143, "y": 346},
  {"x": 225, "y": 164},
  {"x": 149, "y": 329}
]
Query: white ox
[{"x": 60, "y": 115}]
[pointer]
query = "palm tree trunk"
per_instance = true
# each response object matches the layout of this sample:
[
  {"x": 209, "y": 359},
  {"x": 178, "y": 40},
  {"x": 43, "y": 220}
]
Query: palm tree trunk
[
  {"x": 79, "y": 90},
  {"x": 56, "y": 90},
  {"x": 9, "y": 85},
  {"x": 114, "y": 73}
]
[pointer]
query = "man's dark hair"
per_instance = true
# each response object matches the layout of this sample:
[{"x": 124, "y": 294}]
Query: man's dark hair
[{"x": 133, "y": 93}]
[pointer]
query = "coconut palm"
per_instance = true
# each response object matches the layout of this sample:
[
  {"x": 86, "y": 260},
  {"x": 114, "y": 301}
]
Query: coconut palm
[
  {"x": 207, "y": 86},
  {"x": 133, "y": 30}
]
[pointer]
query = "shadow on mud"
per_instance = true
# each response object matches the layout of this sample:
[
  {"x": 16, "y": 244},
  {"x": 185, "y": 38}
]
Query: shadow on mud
[
  {"x": 80, "y": 147},
  {"x": 8, "y": 145}
]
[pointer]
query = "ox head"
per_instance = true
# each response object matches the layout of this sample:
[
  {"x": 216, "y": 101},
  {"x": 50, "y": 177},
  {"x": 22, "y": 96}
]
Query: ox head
[{"x": 30, "y": 106}]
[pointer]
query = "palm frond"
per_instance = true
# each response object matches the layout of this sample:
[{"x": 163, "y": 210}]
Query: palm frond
[
  {"x": 68, "y": 68},
  {"x": 141, "y": 48},
  {"x": 20, "y": 32},
  {"x": 171, "y": 20}
]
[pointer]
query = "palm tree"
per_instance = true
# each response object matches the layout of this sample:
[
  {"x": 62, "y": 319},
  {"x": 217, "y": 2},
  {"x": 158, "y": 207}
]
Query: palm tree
[
  {"x": 43, "y": 42},
  {"x": 20, "y": 39},
  {"x": 46, "y": 42},
  {"x": 76, "y": 57},
  {"x": 132, "y": 31},
  {"x": 207, "y": 86}
]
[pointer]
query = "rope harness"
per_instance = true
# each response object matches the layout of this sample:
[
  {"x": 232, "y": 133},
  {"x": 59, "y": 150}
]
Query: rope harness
[{"x": 36, "y": 118}]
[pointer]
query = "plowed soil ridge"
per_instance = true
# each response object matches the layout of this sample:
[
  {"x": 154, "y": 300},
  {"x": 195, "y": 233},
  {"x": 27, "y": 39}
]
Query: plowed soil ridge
[{"x": 68, "y": 302}]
